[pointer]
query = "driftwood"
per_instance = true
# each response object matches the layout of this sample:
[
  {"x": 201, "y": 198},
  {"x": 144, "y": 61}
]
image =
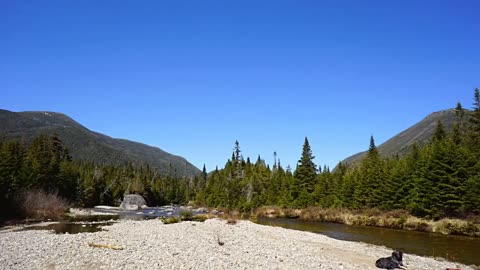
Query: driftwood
[{"x": 105, "y": 246}]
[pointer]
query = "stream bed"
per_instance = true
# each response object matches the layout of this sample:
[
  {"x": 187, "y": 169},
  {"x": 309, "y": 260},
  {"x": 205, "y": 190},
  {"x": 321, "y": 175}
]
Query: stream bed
[{"x": 461, "y": 249}]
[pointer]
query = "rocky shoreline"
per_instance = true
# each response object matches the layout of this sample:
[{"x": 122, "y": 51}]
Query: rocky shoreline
[{"x": 213, "y": 244}]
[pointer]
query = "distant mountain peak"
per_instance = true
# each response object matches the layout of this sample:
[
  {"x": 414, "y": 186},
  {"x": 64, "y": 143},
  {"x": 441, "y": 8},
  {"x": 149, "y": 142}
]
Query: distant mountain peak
[
  {"x": 419, "y": 133},
  {"x": 88, "y": 145}
]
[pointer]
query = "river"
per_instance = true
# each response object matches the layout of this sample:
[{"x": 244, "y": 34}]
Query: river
[{"x": 461, "y": 249}]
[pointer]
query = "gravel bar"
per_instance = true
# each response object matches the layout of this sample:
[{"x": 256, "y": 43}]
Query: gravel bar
[{"x": 213, "y": 244}]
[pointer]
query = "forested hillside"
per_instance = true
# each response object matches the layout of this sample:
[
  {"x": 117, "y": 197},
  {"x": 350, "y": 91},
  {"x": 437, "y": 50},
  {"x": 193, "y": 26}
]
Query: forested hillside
[
  {"x": 45, "y": 165},
  {"x": 439, "y": 179},
  {"x": 90, "y": 146}
]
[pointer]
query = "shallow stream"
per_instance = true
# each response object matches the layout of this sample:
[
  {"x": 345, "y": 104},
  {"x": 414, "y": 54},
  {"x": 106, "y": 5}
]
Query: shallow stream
[{"x": 461, "y": 249}]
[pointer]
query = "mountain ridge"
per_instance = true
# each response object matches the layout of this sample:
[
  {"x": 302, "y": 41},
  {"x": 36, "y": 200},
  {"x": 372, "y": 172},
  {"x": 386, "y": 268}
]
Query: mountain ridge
[
  {"x": 418, "y": 133},
  {"x": 88, "y": 145}
]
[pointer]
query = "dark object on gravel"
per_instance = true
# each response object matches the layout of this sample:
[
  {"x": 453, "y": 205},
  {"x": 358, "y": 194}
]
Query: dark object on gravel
[{"x": 392, "y": 262}]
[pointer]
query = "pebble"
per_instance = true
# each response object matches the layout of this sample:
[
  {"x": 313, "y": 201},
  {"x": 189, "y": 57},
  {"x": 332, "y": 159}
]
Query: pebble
[{"x": 150, "y": 244}]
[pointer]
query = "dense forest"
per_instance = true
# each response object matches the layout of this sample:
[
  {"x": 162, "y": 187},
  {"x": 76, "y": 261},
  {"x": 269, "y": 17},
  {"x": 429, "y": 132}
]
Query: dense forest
[
  {"x": 439, "y": 179},
  {"x": 46, "y": 166}
]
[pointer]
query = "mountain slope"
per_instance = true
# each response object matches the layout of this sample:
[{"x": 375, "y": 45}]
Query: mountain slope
[
  {"x": 88, "y": 145},
  {"x": 419, "y": 133}
]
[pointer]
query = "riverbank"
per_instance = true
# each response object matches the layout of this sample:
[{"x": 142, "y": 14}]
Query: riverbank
[
  {"x": 393, "y": 219},
  {"x": 213, "y": 244}
]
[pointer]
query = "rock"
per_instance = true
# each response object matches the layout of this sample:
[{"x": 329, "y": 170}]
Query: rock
[
  {"x": 130, "y": 207},
  {"x": 106, "y": 207},
  {"x": 133, "y": 202},
  {"x": 202, "y": 210}
]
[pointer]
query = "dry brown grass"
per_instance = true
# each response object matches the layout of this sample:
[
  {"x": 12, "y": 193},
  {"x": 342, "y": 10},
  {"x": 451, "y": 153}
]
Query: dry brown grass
[
  {"x": 396, "y": 219},
  {"x": 456, "y": 226},
  {"x": 39, "y": 205},
  {"x": 231, "y": 216},
  {"x": 475, "y": 219},
  {"x": 232, "y": 221}
]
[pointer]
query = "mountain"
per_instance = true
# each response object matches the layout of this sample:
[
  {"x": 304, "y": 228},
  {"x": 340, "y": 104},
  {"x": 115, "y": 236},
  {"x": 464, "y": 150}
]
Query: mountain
[
  {"x": 88, "y": 145},
  {"x": 419, "y": 133}
]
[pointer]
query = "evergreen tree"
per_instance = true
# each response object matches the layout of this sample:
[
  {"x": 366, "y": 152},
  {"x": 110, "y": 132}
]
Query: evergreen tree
[
  {"x": 458, "y": 133},
  {"x": 474, "y": 128},
  {"x": 204, "y": 173},
  {"x": 347, "y": 189},
  {"x": 305, "y": 175},
  {"x": 472, "y": 198},
  {"x": 439, "y": 133},
  {"x": 368, "y": 192},
  {"x": 424, "y": 193},
  {"x": 11, "y": 176},
  {"x": 237, "y": 161}
]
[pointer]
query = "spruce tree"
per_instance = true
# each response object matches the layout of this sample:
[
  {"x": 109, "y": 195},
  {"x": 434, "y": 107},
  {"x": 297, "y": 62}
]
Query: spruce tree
[
  {"x": 472, "y": 198},
  {"x": 305, "y": 174},
  {"x": 203, "y": 181},
  {"x": 474, "y": 127},
  {"x": 369, "y": 193},
  {"x": 439, "y": 133},
  {"x": 459, "y": 127}
]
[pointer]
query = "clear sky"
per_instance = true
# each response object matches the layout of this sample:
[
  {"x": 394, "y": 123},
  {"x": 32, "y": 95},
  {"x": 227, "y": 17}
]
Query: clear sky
[{"x": 191, "y": 77}]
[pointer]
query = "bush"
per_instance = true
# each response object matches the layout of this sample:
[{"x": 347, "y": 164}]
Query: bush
[
  {"x": 170, "y": 220},
  {"x": 199, "y": 218},
  {"x": 456, "y": 226},
  {"x": 39, "y": 205},
  {"x": 186, "y": 215}
]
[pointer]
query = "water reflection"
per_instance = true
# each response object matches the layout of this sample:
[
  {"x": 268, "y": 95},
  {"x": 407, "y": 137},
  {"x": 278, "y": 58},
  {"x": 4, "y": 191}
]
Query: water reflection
[
  {"x": 455, "y": 248},
  {"x": 70, "y": 227}
]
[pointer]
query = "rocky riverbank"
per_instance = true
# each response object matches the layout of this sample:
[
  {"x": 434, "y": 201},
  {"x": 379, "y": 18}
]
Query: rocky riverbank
[{"x": 213, "y": 244}]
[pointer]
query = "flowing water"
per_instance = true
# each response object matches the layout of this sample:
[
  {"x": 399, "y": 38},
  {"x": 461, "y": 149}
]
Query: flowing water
[
  {"x": 70, "y": 227},
  {"x": 93, "y": 223},
  {"x": 461, "y": 249}
]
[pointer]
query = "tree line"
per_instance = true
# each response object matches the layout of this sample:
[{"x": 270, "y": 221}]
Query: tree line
[
  {"x": 435, "y": 180},
  {"x": 45, "y": 165}
]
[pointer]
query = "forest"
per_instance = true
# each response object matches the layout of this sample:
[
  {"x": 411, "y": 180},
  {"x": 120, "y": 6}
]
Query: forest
[{"x": 435, "y": 180}]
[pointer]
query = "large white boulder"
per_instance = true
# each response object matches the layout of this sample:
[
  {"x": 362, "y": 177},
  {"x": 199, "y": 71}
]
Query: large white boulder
[{"x": 133, "y": 202}]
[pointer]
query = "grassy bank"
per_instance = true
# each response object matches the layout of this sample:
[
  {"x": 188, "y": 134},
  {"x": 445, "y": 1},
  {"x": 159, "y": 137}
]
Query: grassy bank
[{"x": 398, "y": 219}]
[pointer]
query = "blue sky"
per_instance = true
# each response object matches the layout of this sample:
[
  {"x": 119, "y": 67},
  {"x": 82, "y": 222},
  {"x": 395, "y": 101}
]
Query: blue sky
[{"x": 191, "y": 77}]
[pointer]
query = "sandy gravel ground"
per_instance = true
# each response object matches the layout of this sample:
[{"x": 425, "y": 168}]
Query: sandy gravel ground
[{"x": 191, "y": 245}]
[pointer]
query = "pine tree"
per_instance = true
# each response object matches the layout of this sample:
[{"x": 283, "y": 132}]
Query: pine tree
[
  {"x": 472, "y": 199},
  {"x": 11, "y": 176},
  {"x": 459, "y": 127},
  {"x": 424, "y": 194},
  {"x": 368, "y": 192},
  {"x": 348, "y": 188},
  {"x": 474, "y": 127},
  {"x": 203, "y": 181},
  {"x": 305, "y": 175},
  {"x": 237, "y": 161},
  {"x": 439, "y": 133}
]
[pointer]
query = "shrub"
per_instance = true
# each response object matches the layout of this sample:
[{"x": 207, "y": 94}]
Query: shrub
[
  {"x": 170, "y": 220},
  {"x": 199, "y": 218},
  {"x": 475, "y": 219},
  {"x": 456, "y": 226},
  {"x": 186, "y": 215},
  {"x": 402, "y": 214},
  {"x": 39, "y": 205}
]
